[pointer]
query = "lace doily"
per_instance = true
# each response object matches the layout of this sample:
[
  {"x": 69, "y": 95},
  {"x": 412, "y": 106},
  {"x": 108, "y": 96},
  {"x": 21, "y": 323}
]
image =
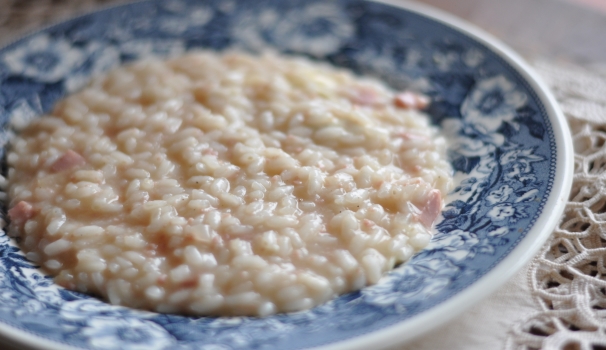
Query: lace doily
[{"x": 568, "y": 277}]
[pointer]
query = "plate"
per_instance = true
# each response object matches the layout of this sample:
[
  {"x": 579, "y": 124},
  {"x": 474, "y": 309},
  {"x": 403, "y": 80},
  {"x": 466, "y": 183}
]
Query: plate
[{"x": 509, "y": 146}]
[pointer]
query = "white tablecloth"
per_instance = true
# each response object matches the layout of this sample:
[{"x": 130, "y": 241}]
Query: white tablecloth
[{"x": 487, "y": 324}]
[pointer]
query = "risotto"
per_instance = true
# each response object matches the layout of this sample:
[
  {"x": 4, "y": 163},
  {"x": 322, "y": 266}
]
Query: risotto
[{"x": 226, "y": 184}]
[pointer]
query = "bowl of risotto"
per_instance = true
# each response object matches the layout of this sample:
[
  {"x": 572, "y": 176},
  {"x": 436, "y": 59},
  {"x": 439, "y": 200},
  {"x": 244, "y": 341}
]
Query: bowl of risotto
[{"x": 268, "y": 174}]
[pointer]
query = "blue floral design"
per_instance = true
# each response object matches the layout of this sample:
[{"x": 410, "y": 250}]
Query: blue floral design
[
  {"x": 43, "y": 58},
  {"x": 502, "y": 148},
  {"x": 79, "y": 309},
  {"x": 146, "y": 48},
  {"x": 99, "y": 58},
  {"x": 317, "y": 29},
  {"x": 180, "y": 16},
  {"x": 140, "y": 335},
  {"x": 491, "y": 103}
]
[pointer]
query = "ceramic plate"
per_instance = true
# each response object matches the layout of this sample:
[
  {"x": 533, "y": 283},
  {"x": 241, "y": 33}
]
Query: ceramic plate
[{"x": 510, "y": 149}]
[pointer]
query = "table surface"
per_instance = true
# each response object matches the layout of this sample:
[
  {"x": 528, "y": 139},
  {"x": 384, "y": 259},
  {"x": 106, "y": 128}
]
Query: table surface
[{"x": 556, "y": 30}]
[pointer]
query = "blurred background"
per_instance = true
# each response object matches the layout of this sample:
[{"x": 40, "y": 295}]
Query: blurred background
[
  {"x": 554, "y": 29},
  {"x": 569, "y": 30}
]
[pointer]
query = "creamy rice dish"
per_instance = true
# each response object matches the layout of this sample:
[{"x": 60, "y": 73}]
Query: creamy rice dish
[{"x": 226, "y": 184}]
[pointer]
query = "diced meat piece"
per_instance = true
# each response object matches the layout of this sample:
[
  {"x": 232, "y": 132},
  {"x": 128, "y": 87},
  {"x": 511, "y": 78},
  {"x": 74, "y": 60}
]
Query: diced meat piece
[
  {"x": 365, "y": 96},
  {"x": 189, "y": 283},
  {"x": 411, "y": 100},
  {"x": 368, "y": 223},
  {"x": 432, "y": 209},
  {"x": 67, "y": 161},
  {"x": 21, "y": 212}
]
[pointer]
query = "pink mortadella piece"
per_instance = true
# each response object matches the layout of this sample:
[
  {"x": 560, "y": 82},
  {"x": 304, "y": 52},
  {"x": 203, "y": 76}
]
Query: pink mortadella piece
[
  {"x": 411, "y": 100},
  {"x": 67, "y": 161},
  {"x": 432, "y": 209},
  {"x": 21, "y": 212},
  {"x": 366, "y": 96}
]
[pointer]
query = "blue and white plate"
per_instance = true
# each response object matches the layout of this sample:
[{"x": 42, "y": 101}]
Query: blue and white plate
[{"x": 510, "y": 148}]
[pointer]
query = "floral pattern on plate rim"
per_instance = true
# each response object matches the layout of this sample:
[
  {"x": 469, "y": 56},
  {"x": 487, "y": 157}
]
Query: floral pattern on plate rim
[{"x": 503, "y": 151}]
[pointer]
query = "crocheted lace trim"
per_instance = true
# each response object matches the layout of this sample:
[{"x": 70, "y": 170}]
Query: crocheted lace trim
[{"x": 567, "y": 278}]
